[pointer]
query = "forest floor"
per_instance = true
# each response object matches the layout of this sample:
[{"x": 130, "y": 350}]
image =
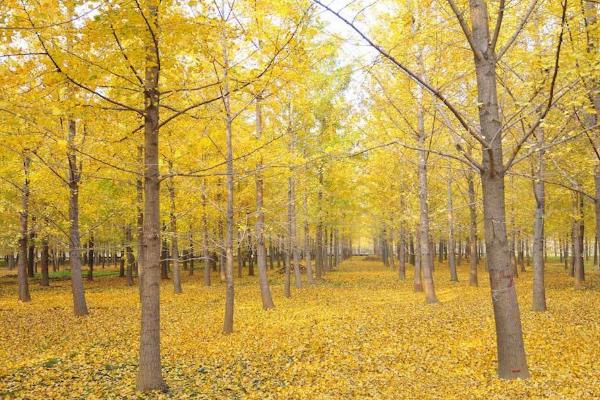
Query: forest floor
[{"x": 359, "y": 334}]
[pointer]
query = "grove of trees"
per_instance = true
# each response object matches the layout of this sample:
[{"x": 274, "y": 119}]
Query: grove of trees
[{"x": 185, "y": 140}]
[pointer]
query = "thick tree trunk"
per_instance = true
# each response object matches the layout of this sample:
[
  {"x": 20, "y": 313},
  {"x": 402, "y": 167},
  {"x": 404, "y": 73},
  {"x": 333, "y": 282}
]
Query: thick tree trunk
[
  {"x": 149, "y": 375},
  {"x": 512, "y": 362},
  {"x": 23, "y": 234},
  {"x": 79, "y": 304},
  {"x": 539, "y": 290}
]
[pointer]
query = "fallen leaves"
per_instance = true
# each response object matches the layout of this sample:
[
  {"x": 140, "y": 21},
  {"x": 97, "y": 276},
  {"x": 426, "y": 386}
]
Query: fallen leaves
[{"x": 359, "y": 334}]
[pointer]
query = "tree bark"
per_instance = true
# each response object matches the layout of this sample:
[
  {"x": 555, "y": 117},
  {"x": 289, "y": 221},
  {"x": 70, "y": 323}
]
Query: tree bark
[
  {"x": 79, "y": 303},
  {"x": 174, "y": 233},
  {"x": 402, "y": 255},
  {"x": 261, "y": 252},
  {"x": 425, "y": 249},
  {"x": 23, "y": 234},
  {"x": 149, "y": 375},
  {"x": 139, "y": 187},
  {"x": 307, "y": 254},
  {"x": 319, "y": 234},
  {"x": 450, "y": 251},
  {"x": 129, "y": 255},
  {"x": 512, "y": 362},
  {"x": 91, "y": 253},
  {"x": 539, "y": 291},
  {"x": 578, "y": 230},
  {"x": 229, "y": 291},
  {"x": 418, "y": 282},
  {"x": 205, "y": 250},
  {"x": 45, "y": 279}
]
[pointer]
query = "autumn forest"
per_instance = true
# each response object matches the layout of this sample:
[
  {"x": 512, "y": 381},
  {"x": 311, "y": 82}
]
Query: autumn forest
[{"x": 299, "y": 199}]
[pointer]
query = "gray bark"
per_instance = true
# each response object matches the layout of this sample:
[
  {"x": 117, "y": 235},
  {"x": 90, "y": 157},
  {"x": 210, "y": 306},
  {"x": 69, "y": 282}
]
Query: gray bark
[
  {"x": 149, "y": 375},
  {"x": 79, "y": 304},
  {"x": 539, "y": 291},
  {"x": 261, "y": 253},
  {"x": 23, "y": 234}
]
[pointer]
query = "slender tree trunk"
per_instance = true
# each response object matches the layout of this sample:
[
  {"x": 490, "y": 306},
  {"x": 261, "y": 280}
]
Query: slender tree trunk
[
  {"x": 578, "y": 230},
  {"x": 307, "y": 255},
  {"x": 539, "y": 291},
  {"x": 205, "y": 250},
  {"x": 190, "y": 253},
  {"x": 451, "y": 258},
  {"x": 45, "y": 279},
  {"x": 287, "y": 292},
  {"x": 402, "y": 255},
  {"x": 425, "y": 249},
  {"x": 261, "y": 252},
  {"x": 175, "y": 236},
  {"x": 79, "y": 304},
  {"x": 229, "y": 292},
  {"x": 91, "y": 253},
  {"x": 129, "y": 255},
  {"x": 31, "y": 250},
  {"x": 149, "y": 375},
  {"x": 139, "y": 186},
  {"x": 319, "y": 234},
  {"x": 418, "y": 282},
  {"x": 23, "y": 222}
]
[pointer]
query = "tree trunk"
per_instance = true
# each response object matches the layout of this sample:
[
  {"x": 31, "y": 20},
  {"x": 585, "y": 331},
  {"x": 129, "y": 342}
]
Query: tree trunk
[
  {"x": 23, "y": 222},
  {"x": 307, "y": 255},
  {"x": 139, "y": 187},
  {"x": 205, "y": 250},
  {"x": 473, "y": 279},
  {"x": 175, "y": 236},
  {"x": 261, "y": 252},
  {"x": 90, "y": 274},
  {"x": 418, "y": 282},
  {"x": 578, "y": 230},
  {"x": 402, "y": 255},
  {"x": 425, "y": 249},
  {"x": 319, "y": 233},
  {"x": 45, "y": 279},
  {"x": 31, "y": 250},
  {"x": 79, "y": 304},
  {"x": 229, "y": 291},
  {"x": 450, "y": 251},
  {"x": 149, "y": 375},
  {"x": 539, "y": 290},
  {"x": 129, "y": 255},
  {"x": 512, "y": 362}
]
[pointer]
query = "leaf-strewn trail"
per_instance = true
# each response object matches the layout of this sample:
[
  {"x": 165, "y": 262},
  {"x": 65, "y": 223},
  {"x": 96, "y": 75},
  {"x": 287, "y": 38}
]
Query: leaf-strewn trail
[{"x": 359, "y": 334}]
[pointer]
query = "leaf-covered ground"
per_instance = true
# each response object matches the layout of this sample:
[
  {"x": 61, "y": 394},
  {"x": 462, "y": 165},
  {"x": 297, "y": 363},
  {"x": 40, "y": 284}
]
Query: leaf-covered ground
[{"x": 360, "y": 334}]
